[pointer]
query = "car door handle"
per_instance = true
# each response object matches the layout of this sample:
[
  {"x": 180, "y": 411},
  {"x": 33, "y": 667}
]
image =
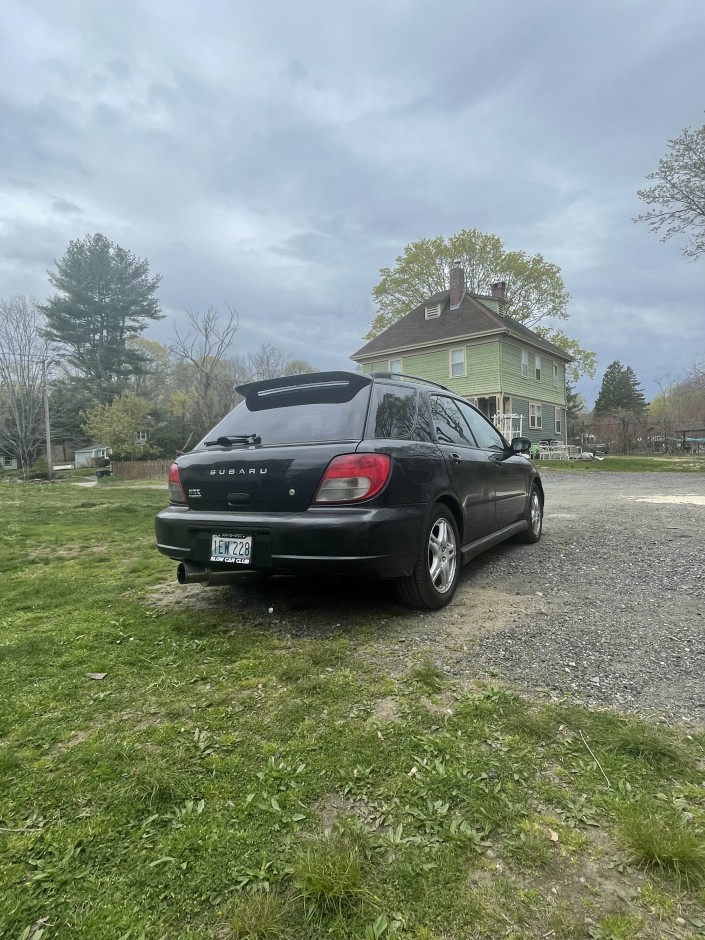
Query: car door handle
[{"x": 456, "y": 459}]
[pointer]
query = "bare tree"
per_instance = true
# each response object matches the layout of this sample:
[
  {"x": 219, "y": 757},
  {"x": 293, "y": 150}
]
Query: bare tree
[
  {"x": 697, "y": 374},
  {"x": 677, "y": 197},
  {"x": 269, "y": 362},
  {"x": 24, "y": 355},
  {"x": 203, "y": 349}
]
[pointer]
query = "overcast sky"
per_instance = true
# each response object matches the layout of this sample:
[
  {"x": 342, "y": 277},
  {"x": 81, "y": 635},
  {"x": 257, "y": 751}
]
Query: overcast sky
[{"x": 274, "y": 155}]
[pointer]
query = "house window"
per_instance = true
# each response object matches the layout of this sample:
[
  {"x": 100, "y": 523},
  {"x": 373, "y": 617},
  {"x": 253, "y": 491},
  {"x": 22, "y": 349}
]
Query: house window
[
  {"x": 7, "y": 461},
  {"x": 457, "y": 361},
  {"x": 555, "y": 375},
  {"x": 395, "y": 365},
  {"x": 535, "y": 420},
  {"x": 524, "y": 364},
  {"x": 538, "y": 368},
  {"x": 559, "y": 420},
  {"x": 141, "y": 437}
]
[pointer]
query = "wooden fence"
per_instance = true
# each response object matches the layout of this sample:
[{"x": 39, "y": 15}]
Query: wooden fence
[{"x": 141, "y": 469}]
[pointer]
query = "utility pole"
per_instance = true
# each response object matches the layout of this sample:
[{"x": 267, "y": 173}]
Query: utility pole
[{"x": 47, "y": 426}]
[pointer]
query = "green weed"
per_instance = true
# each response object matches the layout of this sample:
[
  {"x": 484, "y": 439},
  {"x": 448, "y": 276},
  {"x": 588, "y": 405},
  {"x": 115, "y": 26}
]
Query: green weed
[{"x": 665, "y": 842}]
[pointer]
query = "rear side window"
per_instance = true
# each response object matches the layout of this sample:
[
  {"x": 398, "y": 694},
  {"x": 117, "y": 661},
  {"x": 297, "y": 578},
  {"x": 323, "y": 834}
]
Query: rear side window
[
  {"x": 395, "y": 413},
  {"x": 289, "y": 420}
]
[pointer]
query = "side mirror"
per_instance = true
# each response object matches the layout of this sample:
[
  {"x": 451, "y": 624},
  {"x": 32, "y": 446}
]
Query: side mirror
[{"x": 521, "y": 445}]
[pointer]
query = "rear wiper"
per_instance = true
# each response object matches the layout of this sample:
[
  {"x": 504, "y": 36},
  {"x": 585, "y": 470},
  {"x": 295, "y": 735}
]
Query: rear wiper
[{"x": 229, "y": 440}]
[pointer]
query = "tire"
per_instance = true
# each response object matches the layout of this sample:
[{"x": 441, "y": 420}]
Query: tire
[
  {"x": 534, "y": 517},
  {"x": 433, "y": 582}
]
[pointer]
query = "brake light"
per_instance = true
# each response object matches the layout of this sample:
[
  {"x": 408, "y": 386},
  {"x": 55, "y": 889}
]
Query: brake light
[
  {"x": 176, "y": 490},
  {"x": 353, "y": 477}
]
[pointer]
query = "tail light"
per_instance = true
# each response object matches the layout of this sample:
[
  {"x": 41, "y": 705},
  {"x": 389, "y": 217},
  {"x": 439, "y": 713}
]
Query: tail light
[
  {"x": 353, "y": 477},
  {"x": 176, "y": 490}
]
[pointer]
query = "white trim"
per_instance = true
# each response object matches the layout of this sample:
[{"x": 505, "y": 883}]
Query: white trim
[
  {"x": 537, "y": 423},
  {"x": 559, "y": 419},
  {"x": 451, "y": 373}
]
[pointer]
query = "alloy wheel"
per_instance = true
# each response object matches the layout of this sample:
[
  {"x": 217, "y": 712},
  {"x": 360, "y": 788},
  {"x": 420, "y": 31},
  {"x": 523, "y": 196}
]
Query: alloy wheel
[{"x": 442, "y": 555}]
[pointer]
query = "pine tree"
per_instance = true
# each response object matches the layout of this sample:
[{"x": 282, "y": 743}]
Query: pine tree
[
  {"x": 574, "y": 405},
  {"x": 620, "y": 391},
  {"x": 105, "y": 297}
]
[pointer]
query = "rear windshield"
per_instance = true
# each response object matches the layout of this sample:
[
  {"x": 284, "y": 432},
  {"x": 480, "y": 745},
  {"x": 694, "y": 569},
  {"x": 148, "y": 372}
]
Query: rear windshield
[{"x": 297, "y": 422}]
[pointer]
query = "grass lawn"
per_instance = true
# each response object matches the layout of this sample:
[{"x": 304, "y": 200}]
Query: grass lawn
[{"x": 185, "y": 772}]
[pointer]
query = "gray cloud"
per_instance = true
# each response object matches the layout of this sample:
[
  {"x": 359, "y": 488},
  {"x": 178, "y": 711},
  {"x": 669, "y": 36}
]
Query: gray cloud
[{"x": 277, "y": 155}]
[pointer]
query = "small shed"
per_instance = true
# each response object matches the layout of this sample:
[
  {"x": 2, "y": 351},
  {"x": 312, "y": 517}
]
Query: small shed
[
  {"x": 88, "y": 456},
  {"x": 8, "y": 463}
]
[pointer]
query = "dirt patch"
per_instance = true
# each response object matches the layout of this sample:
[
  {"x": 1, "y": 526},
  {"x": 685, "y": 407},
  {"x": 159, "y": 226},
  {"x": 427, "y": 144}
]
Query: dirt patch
[
  {"x": 386, "y": 709},
  {"x": 484, "y": 611},
  {"x": 78, "y": 737},
  {"x": 673, "y": 499}
]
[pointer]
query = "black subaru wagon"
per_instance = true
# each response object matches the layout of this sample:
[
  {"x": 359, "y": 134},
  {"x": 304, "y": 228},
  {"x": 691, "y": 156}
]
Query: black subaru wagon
[{"x": 336, "y": 473}]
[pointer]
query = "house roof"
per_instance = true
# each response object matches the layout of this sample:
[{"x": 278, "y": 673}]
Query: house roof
[{"x": 472, "y": 318}]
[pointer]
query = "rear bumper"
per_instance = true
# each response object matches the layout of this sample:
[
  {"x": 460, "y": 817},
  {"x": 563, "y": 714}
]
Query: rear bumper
[{"x": 370, "y": 542}]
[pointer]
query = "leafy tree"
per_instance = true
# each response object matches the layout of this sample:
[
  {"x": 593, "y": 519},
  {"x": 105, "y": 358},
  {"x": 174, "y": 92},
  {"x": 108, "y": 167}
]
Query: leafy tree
[
  {"x": 23, "y": 360},
  {"x": 105, "y": 297},
  {"x": 677, "y": 197},
  {"x": 536, "y": 293},
  {"x": 299, "y": 367},
  {"x": 677, "y": 407},
  {"x": 620, "y": 390},
  {"x": 116, "y": 425}
]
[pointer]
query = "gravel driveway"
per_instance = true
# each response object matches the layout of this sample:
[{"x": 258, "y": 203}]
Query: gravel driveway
[
  {"x": 620, "y": 580},
  {"x": 608, "y": 609}
]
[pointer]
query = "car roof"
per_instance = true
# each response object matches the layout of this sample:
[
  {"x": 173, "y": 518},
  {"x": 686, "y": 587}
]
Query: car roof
[{"x": 405, "y": 378}]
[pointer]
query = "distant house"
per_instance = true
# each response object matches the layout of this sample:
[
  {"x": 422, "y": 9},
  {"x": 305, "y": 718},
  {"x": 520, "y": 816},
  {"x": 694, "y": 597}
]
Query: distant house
[
  {"x": 466, "y": 342},
  {"x": 89, "y": 456},
  {"x": 7, "y": 462}
]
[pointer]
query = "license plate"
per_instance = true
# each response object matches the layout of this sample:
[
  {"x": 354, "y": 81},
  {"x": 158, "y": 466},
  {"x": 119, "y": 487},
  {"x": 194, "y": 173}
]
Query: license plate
[{"x": 232, "y": 549}]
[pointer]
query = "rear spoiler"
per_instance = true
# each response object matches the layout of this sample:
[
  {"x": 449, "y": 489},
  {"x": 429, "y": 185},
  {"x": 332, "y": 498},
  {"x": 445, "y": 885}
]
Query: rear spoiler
[{"x": 310, "y": 387}]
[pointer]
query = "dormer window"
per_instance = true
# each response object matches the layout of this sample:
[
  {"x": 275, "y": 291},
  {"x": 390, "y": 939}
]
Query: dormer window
[{"x": 433, "y": 311}]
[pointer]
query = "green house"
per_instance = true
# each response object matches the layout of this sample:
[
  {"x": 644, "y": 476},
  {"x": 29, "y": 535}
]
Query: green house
[{"x": 466, "y": 342}]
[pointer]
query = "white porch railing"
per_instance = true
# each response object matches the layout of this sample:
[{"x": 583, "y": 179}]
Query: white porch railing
[{"x": 509, "y": 425}]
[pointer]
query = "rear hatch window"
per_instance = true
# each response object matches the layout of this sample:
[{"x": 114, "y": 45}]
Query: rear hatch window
[
  {"x": 324, "y": 409},
  {"x": 269, "y": 454}
]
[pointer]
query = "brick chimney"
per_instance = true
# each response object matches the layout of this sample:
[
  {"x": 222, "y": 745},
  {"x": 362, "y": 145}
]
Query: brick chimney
[
  {"x": 457, "y": 285},
  {"x": 499, "y": 293}
]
